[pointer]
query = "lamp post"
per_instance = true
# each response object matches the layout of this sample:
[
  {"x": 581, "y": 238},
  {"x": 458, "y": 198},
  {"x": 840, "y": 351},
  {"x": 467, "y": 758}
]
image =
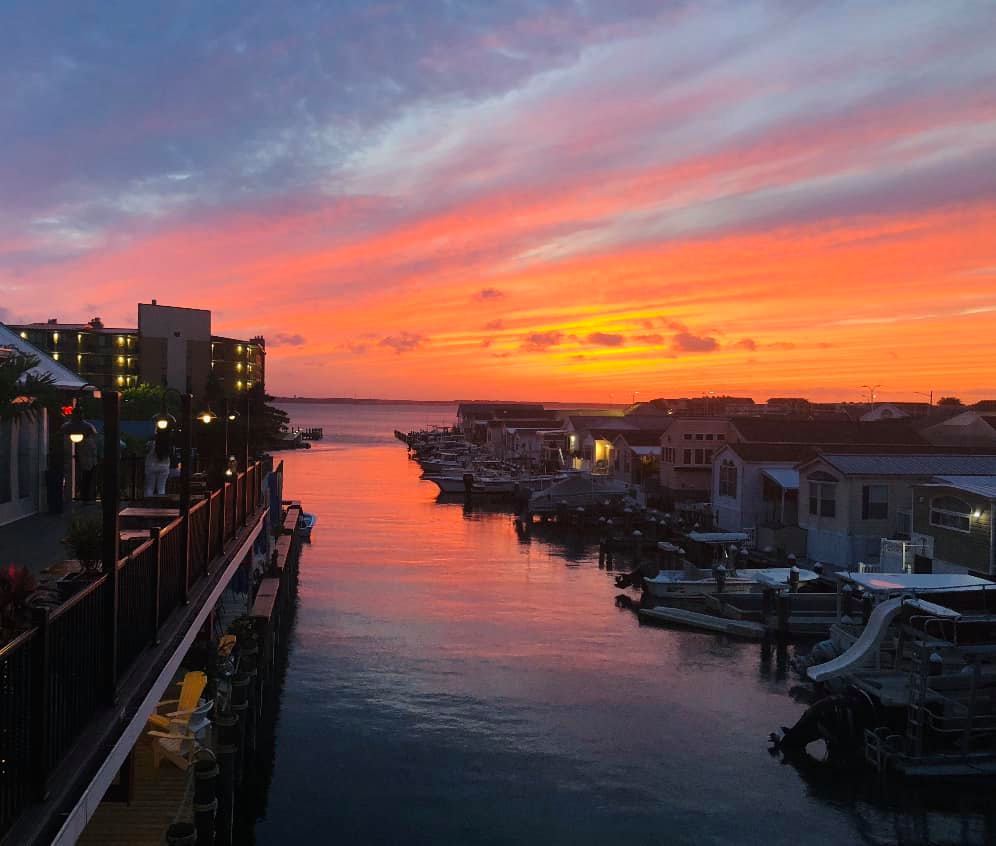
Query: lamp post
[{"x": 78, "y": 430}]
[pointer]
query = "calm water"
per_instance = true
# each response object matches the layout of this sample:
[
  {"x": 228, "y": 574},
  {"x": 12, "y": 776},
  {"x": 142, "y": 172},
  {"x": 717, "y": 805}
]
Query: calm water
[{"x": 451, "y": 684}]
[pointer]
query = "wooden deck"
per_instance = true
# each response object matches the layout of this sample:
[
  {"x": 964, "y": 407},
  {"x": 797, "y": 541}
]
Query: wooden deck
[{"x": 155, "y": 805}]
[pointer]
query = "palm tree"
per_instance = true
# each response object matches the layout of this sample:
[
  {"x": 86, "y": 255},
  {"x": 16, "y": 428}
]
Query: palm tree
[{"x": 23, "y": 394}]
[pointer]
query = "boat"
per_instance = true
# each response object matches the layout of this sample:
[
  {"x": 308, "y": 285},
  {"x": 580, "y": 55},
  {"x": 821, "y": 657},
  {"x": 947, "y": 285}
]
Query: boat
[
  {"x": 305, "y": 523},
  {"x": 691, "y": 581},
  {"x": 579, "y": 490}
]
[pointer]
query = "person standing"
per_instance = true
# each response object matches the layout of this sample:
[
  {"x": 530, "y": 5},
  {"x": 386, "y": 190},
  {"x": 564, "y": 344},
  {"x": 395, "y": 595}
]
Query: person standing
[
  {"x": 157, "y": 453},
  {"x": 86, "y": 464}
]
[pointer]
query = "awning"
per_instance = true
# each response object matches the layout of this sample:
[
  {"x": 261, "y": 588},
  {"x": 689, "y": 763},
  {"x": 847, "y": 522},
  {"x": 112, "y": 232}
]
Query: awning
[{"x": 785, "y": 477}]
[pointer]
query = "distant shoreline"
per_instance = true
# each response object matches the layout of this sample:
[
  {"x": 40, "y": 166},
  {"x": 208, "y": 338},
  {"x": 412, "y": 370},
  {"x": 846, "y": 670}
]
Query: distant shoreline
[{"x": 373, "y": 401}]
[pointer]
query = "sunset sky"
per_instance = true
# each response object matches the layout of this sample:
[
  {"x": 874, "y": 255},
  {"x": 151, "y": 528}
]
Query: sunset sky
[{"x": 522, "y": 199}]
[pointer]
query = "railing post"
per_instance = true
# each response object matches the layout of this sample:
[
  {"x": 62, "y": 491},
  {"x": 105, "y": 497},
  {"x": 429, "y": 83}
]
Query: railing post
[
  {"x": 110, "y": 501},
  {"x": 157, "y": 583},
  {"x": 185, "y": 458},
  {"x": 40, "y": 705}
]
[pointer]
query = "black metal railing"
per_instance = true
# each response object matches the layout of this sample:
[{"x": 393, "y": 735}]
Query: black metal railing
[{"x": 55, "y": 677}]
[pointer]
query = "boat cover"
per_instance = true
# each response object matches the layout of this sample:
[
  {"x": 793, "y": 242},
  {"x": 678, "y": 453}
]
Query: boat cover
[{"x": 579, "y": 490}]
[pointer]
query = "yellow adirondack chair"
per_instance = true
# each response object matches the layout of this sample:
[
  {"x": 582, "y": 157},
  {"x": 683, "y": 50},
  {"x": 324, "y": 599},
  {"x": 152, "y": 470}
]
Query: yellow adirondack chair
[{"x": 190, "y": 694}]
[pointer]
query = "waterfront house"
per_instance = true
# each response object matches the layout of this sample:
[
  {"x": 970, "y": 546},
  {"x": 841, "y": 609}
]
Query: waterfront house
[
  {"x": 850, "y": 502},
  {"x": 953, "y": 526},
  {"x": 636, "y": 458},
  {"x": 577, "y": 427},
  {"x": 687, "y": 448},
  {"x": 473, "y": 417},
  {"x": 756, "y": 486},
  {"x": 24, "y": 442}
]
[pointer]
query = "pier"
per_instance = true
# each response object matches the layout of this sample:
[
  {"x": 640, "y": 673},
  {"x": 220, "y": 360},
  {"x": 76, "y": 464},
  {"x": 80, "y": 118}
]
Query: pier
[{"x": 82, "y": 683}]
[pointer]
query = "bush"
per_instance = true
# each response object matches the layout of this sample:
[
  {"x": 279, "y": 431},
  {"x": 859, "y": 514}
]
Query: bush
[{"x": 85, "y": 541}]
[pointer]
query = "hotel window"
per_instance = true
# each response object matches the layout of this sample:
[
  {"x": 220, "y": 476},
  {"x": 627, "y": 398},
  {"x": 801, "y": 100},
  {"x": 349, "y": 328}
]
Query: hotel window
[
  {"x": 822, "y": 495},
  {"x": 949, "y": 512},
  {"x": 728, "y": 479},
  {"x": 688, "y": 457},
  {"x": 874, "y": 502}
]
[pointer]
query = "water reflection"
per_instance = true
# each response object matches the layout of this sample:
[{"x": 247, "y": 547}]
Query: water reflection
[{"x": 452, "y": 681}]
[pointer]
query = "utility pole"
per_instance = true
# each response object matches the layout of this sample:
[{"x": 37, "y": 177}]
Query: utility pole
[{"x": 871, "y": 392}]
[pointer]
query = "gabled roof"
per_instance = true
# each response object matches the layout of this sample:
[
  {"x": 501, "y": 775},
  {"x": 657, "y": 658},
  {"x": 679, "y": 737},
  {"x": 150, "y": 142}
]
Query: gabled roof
[
  {"x": 825, "y": 432},
  {"x": 64, "y": 378},
  {"x": 909, "y": 464},
  {"x": 641, "y": 437},
  {"x": 772, "y": 452}
]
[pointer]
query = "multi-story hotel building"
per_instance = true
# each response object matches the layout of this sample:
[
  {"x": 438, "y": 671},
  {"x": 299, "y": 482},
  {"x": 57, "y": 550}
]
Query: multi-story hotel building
[{"x": 171, "y": 346}]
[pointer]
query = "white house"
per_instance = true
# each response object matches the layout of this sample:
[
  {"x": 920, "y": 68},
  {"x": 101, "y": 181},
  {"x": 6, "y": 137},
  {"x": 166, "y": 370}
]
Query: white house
[
  {"x": 23, "y": 442},
  {"x": 849, "y": 502}
]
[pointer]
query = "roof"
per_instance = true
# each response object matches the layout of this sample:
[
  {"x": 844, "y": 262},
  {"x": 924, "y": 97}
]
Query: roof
[
  {"x": 603, "y": 421},
  {"x": 772, "y": 452},
  {"x": 63, "y": 377},
  {"x": 76, "y": 327},
  {"x": 984, "y": 486},
  {"x": 780, "y": 430},
  {"x": 910, "y": 464},
  {"x": 645, "y": 450},
  {"x": 603, "y": 434},
  {"x": 784, "y": 477},
  {"x": 641, "y": 437}
]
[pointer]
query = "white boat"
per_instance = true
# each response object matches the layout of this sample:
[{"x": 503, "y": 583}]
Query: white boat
[
  {"x": 694, "y": 582},
  {"x": 305, "y": 523},
  {"x": 446, "y": 484},
  {"x": 669, "y": 584}
]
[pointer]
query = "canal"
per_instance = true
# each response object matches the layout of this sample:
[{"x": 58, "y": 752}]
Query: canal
[{"x": 449, "y": 683}]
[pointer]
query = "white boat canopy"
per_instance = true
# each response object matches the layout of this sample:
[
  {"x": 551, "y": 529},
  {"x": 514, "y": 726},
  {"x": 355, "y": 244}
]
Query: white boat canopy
[{"x": 893, "y": 582}]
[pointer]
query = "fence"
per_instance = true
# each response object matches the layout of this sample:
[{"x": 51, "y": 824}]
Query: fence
[{"x": 55, "y": 677}]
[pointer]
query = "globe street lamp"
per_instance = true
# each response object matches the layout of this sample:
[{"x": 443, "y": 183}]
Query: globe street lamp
[{"x": 76, "y": 428}]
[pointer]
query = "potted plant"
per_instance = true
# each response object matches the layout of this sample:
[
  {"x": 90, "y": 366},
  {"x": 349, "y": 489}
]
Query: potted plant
[{"x": 85, "y": 543}]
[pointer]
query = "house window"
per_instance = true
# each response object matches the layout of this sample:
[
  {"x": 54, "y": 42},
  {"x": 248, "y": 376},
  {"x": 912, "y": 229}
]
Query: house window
[
  {"x": 874, "y": 502},
  {"x": 708, "y": 437},
  {"x": 688, "y": 436},
  {"x": 728, "y": 479},
  {"x": 949, "y": 512},
  {"x": 699, "y": 436},
  {"x": 669, "y": 455},
  {"x": 822, "y": 495},
  {"x": 708, "y": 456},
  {"x": 720, "y": 437},
  {"x": 699, "y": 456},
  {"x": 688, "y": 457}
]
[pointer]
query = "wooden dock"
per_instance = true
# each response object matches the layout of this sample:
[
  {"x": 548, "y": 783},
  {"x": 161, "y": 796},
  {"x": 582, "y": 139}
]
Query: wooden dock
[{"x": 155, "y": 804}]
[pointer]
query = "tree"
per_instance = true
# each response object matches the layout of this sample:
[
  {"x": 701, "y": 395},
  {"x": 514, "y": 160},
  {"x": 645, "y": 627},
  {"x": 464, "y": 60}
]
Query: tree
[
  {"x": 23, "y": 394},
  {"x": 949, "y": 401}
]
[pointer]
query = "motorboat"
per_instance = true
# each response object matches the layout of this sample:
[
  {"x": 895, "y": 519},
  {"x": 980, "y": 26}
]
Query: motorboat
[{"x": 691, "y": 581}]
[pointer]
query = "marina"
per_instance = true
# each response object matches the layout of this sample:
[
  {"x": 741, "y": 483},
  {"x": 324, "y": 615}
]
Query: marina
[{"x": 490, "y": 653}]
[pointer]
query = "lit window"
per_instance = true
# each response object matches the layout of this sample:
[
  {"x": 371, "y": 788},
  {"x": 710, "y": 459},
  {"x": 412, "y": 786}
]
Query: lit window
[
  {"x": 24, "y": 335},
  {"x": 55, "y": 355},
  {"x": 949, "y": 512},
  {"x": 238, "y": 385},
  {"x": 121, "y": 359},
  {"x": 79, "y": 337},
  {"x": 120, "y": 340},
  {"x": 238, "y": 349},
  {"x": 238, "y": 366},
  {"x": 55, "y": 337},
  {"x": 121, "y": 380}
]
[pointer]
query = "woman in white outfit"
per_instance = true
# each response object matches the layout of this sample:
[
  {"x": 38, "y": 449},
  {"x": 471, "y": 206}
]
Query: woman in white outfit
[{"x": 157, "y": 464}]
